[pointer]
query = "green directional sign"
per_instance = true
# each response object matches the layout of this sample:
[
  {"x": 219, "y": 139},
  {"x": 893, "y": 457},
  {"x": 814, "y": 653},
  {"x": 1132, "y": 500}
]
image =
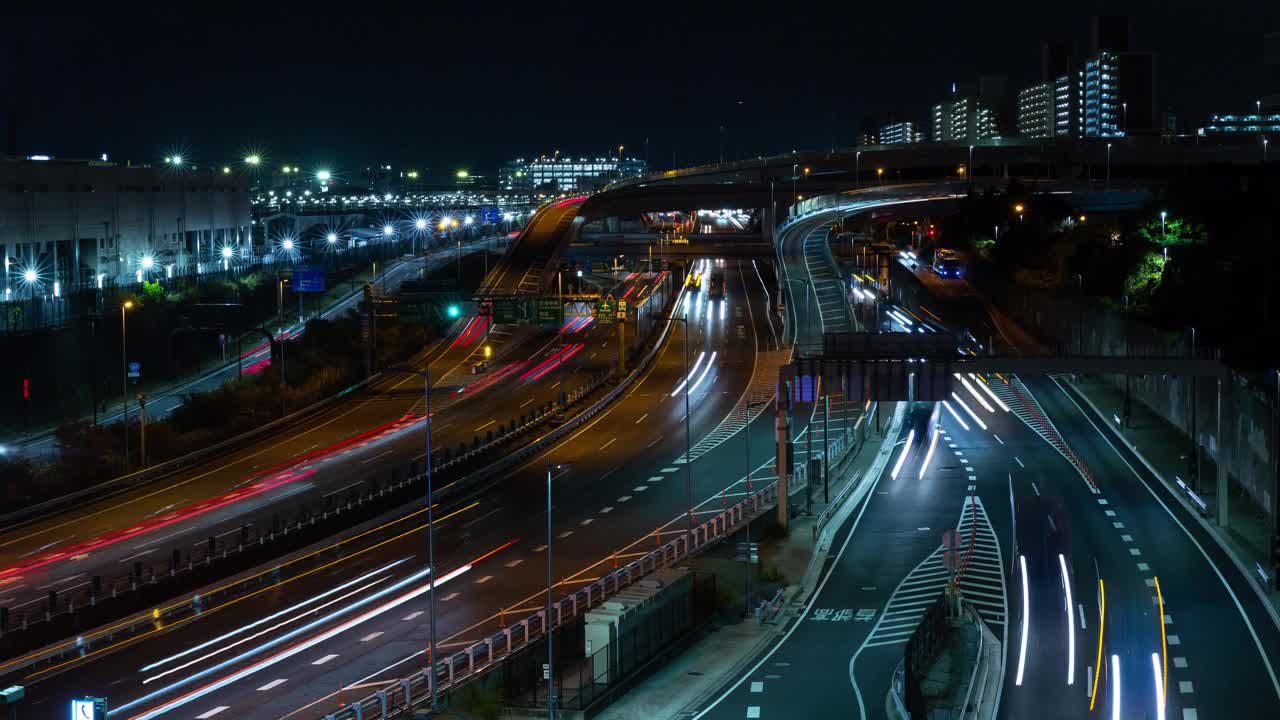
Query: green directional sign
[
  {"x": 550, "y": 311},
  {"x": 605, "y": 311},
  {"x": 511, "y": 311}
]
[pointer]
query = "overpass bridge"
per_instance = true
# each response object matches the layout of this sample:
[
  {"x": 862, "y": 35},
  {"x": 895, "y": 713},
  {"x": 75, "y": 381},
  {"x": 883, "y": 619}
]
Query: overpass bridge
[{"x": 1097, "y": 176}]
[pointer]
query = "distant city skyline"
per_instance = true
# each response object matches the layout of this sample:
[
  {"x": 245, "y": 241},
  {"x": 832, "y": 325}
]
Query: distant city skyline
[{"x": 458, "y": 89}]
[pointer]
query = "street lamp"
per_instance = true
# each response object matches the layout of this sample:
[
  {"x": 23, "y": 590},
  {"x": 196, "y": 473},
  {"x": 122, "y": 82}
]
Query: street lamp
[
  {"x": 746, "y": 431},
  {"x": 546, "y": 612},
  {"x": 331, "y": 238},
  {"x": 1163, "y": 245},
  {"x": 880, "y": 175},
  {"x": 1108, "y": 166},
  {"x": 124, "y": 379},
  {"x": 969, "y": 167},
  {"x": 253, "y": 160},
  {"x": 857, "y": 169}
]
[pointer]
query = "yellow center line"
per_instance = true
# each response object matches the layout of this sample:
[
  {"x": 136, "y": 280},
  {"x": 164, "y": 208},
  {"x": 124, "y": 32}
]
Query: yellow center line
[
  {"x": 1164, "y": 644},
  {"x": 1102, "y": 622}
]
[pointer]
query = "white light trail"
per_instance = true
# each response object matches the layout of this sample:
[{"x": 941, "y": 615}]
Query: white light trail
[
  {"x": 703, "y": 376},
  {"x": 906, "y": 448},
  {"x": 1155, "y": 668},
  {"x": 987, "y": 390},
  {"x": 271, "y": 617},
  {"x": 1115, "y": 687},
  {"x": 947, "y": 405},
  {"x": 933, "y": 443},
  {"x": 260, "y": 633},
  {"x": 970, "y": 412},
  {"x": 287, "y": 653},
  {"x": 974, "y": 393},
  {"x": 692, "y": 372},
  {"x": 1026, "y": 619},
  {"x": 1071, "y": 623}
]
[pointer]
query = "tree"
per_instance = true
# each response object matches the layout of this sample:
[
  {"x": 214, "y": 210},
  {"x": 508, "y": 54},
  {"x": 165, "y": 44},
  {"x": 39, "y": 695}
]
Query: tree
[
  {"x": 1176, "y": 231},
  {"x": 1142, "y": 284},
  {"x": 152, "y": 291}
]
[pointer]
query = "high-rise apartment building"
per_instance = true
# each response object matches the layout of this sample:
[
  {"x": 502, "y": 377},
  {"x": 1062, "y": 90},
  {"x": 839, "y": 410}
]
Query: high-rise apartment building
[
  {"x": 1036, "y": 111},
  {"x": 1099, "y": 102},
  {"x": 962, "y": 119},
  {"x": 899, "y": 133}
]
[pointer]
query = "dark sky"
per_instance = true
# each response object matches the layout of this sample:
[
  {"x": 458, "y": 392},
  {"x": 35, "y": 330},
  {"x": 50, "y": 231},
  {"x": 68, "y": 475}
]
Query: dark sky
[{"x": 470, "y": 84}]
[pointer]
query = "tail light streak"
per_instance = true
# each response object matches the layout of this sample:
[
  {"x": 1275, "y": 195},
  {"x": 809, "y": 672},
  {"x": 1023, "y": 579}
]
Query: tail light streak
[
  {"x": 967, "y": 410},
  {"x": 1071, "y": 623},
  {"x": 1026, "y": 620}
]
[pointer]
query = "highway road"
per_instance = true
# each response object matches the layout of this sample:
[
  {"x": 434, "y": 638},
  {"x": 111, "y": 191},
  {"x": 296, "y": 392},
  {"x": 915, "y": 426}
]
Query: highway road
[
  {"x": 1174, "y": 602},
  {"x": 373, "y": 432},
  {"x": 620, "y": 481}
]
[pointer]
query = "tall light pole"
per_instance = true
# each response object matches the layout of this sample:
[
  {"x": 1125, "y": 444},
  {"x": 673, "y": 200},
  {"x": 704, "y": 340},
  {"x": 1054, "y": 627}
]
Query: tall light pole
[
  {"x": 1163, "y": 245},
  {"x": 968, "y": 170},
  {"x": 1108, "y": 166},
  {"x": 431, "y": 549},
  {"x": 124, "y": 379},
  {"x": 546, "y": 622},
  {"x": 746, "y": 431},
  {"x": 857, "y": 169},
  {"x": 1264, "y": 151}
]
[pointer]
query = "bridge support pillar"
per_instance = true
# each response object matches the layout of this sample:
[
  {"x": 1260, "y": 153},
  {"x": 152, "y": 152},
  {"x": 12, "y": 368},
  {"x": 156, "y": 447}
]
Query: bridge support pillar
[{"x": 780, "y": 427}]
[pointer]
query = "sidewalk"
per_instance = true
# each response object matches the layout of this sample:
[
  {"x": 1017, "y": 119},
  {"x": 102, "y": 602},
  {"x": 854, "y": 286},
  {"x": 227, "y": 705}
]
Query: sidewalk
[
  {"x": 695, "y": 676},
  {"x": 1161, "y": 447}
]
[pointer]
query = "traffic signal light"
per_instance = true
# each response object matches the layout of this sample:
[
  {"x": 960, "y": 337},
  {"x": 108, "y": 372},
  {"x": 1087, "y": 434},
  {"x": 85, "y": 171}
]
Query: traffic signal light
[{"x": 453, "y": 310}]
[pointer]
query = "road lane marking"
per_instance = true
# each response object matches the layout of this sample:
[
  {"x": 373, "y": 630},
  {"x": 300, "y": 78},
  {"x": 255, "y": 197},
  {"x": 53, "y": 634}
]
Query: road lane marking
[
  {"x": 1127, "y": 538},
  {"x": 588, "y": 521},
  {"x": 624, "y": 498},
  {"x": 515, "y": 562},
  {"x": 371, "y": 636},
  {"x": 272, "y": 684},
  {"x": 213, "y": 712},
  {"x": 1185, "y": 687},
  {"x": 375, "y": 457},
  {"x": 484, "y": 579},
  {"x": 1180, "y": 663},
  {"x": 1033, "y": 487},
  {"x": 1135, "y": 552},
  {"x": 655, "y": 478},
  {"x": 491, "y": 422},
  {"x": 1082, "y": 625},
  {"x": 607, "y": 509},
  {"x": 565, "y": 534},
  {"x": 324, "y": 659},
  {"x": 1019, "y": 461},
  {"x": 540, "y": 548},
  {"x": 753, "y": 712},
  {"x": 450, "y": 596},
  {"x": 1175, "y": 640},
  {"x": 641, "y": 418},
  {"x": 412, "y": 615}
]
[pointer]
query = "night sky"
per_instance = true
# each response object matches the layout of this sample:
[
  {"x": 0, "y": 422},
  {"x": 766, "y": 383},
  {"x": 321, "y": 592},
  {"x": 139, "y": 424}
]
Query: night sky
[{"x": 471, "y": 84}]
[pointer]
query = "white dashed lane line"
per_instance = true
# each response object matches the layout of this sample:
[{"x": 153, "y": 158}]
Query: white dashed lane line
[
  {"x": 273, "y": 683},
  {"x": 371, "y": 636},
  {"x": 412, "y": 615},
  {"x": 212, "y": 712},
  {"x": 324, "y": 659}
]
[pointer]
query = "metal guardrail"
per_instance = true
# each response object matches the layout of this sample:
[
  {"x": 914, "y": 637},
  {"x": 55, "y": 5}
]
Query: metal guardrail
[
  {"x": 481, "y": 657},
  {"x": 979, "y": 661}
]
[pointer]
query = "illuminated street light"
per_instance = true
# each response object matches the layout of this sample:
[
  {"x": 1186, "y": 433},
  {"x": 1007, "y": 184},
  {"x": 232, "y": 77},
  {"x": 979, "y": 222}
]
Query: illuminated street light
[
  {"x": 30, "y": 276},
  {"x": 148, "y": 262},
  {"x": 323, "y": 175},
  {"x": 420, "y": 223},
  {"x": 508, "y": 216},
  {"x": 468, "y": 220},
  {"x": 226, "y": 251},
  {"x": 388, "y": 230},
  {"x": 175, "y": 160},
  {"x": 1018, "y": 208},
  {"x": 226, "y": 170},
  {"x": 332, "y": 238},
  {"x": 253, "y": 160},
  {"x": 287, "y": 244}
]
